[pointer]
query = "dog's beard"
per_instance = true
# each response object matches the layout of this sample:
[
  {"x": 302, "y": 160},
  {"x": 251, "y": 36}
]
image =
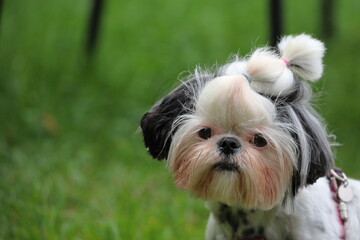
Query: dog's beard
[{"x": 250, "y": 178}]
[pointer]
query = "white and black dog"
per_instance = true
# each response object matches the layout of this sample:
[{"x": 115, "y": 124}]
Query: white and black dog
[{"x": 246, "y": 139}]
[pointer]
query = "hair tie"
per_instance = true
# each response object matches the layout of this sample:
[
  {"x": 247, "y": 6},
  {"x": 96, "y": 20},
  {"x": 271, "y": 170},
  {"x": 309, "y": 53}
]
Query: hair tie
[
  {"x": 285, "y": 61},
  {"x": 248, "y": 77}
]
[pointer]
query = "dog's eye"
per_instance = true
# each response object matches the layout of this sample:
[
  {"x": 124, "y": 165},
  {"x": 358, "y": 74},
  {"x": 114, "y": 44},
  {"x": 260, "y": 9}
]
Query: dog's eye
[
  {"x": 258, "y": 140},
  {"x": 204, "y": 133}
]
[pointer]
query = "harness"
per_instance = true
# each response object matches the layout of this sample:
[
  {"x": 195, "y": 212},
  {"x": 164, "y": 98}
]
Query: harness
[{"x": 341, "y": 194}]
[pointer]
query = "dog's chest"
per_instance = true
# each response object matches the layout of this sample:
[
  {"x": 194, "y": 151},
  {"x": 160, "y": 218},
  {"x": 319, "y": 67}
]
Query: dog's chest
[{"x": 237, "y": 223}]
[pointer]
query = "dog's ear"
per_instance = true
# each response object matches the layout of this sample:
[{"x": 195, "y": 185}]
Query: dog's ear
[
  {"x": 157, "y": 124},
  {"x": 315, "y": 156},
  {"x": 318, "y": 148}
]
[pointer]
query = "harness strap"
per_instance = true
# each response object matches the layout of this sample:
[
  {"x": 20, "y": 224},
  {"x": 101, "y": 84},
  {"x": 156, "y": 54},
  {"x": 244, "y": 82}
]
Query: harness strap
[{"x": 334, "y": 192}]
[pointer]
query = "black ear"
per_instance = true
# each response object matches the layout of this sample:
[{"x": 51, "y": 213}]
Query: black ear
[
  {"x": 157, "y": 123},
  {"x": 315, "y": 157},
  {"x": 321, "y": 156}
]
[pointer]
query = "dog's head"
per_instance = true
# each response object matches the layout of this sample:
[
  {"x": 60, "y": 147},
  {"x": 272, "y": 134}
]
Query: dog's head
[{"x": 245, "y": 135}]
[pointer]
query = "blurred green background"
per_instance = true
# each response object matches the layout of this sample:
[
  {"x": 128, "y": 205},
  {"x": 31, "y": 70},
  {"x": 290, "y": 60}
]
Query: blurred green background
[{"x": 72, "y": 165}]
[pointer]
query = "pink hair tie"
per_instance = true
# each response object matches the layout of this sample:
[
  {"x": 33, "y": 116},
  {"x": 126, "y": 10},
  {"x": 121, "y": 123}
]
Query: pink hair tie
[{"x": 285, "y": 61}]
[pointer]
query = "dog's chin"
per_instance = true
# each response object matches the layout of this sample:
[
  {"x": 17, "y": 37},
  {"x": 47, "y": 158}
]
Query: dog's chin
[
  {"x": 226, "y": 165},
  {"x": 225, "y": 181}
]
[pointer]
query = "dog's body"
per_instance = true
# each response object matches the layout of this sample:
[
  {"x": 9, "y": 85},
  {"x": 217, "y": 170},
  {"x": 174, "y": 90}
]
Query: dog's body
[
  {"x": 314, "y": 216},
  {"x": 247, "y": 140}
]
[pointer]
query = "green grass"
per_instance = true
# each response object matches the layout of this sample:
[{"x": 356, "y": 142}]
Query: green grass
[{"x": 72, "y": 165}]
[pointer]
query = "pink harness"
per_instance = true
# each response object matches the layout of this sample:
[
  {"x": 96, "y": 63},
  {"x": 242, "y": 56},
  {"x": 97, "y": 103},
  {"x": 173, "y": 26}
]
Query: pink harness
[{"x": 341, "y": 194}]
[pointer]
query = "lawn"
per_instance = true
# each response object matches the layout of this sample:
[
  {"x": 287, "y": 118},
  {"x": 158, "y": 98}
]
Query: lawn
[{"x": 72, "y": 163}]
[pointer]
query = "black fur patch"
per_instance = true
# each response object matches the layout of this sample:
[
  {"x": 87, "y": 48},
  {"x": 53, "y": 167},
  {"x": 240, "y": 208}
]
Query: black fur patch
[
  {"x": 225, "y": 216},
  {"x": 261, "y": 231},
  {"x": 157, "y": 123},
  {"x": 249, "y": 233},
  {"x": 243, "y": 217}
]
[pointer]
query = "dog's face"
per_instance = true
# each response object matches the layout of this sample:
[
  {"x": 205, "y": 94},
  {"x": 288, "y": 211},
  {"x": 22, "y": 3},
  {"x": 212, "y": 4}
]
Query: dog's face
[
  {"x": 231, "y": 148},
  {"x": 247, "y": 142}
]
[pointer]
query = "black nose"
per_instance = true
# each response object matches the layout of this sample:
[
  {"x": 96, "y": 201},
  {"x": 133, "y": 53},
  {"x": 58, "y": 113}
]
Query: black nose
[{"x": 229, "y": 145}]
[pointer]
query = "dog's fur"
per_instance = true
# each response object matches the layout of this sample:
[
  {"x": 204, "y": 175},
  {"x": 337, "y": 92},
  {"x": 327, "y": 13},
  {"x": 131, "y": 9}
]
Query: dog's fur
[{"x": 246, "y": 139}]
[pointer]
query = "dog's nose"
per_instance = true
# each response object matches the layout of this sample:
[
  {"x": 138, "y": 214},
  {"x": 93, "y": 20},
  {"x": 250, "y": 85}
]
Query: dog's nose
[{"x": 229, "y": 145}]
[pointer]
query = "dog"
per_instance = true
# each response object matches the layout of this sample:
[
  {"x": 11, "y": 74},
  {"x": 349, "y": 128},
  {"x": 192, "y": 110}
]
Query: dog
[{"x": 245, "y": 138}]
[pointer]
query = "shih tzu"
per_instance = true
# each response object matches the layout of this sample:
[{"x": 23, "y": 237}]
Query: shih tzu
[{"x": 246, "y": 139}]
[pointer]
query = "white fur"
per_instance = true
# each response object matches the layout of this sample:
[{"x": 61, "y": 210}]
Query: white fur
[
  {"x": 229, "y": 99},
  {"x": 235, "y": 67},
  {"x": 304, "y": 54},
  {"x": 271, "y": 75},
  {"x": 314, "y": 217}
]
